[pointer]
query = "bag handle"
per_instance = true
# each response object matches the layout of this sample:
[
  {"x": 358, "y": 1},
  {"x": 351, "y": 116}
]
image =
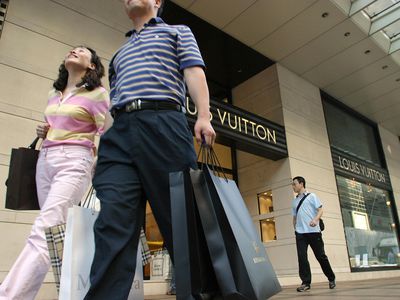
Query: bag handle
[
  {"x": 301, "y": 202},
  {"x": 33, "y": 145},
  {"x": 209, "y": 158},
  {"x": 88, "y": 202}
]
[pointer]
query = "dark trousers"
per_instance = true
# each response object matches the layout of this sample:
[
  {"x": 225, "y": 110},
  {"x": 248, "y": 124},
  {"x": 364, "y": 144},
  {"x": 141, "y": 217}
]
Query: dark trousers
[
  {"x": 317, "y": 245},
  {"x": 136, "y": 156}
]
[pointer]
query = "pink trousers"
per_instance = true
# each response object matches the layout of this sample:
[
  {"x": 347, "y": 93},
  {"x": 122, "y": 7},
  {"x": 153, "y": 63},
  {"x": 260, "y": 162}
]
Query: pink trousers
[{"x": 63, "y": 176}]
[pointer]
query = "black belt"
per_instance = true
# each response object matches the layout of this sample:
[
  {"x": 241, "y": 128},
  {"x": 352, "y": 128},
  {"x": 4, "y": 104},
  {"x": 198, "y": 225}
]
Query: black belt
[{"x": 139, "y": 104}]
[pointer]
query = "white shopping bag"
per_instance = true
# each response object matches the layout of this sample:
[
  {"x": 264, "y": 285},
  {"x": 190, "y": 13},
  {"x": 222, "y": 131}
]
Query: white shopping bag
[
  {"x": 78, "y": 255},
  {"x": 160, "y": 266},
  {"x": 137, "y": 291}
]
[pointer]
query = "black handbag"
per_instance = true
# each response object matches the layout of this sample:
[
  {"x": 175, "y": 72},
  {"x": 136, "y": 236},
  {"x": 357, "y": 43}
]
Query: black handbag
[
  {"x": 21, "y": 183},
  {"x": 194, "y": 273}
]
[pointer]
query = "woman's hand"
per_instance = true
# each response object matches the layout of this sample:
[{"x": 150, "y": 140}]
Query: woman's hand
[{"x": 41, "y": 130}]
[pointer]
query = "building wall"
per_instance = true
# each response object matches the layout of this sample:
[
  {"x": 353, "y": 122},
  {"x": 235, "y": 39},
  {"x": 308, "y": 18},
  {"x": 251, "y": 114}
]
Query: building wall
[
  {"x": 261, "y": 95},
  {"x": 35, "y": 38},
  {"x": 282, "y": 96},
  {"x": 391, "y": 149}
]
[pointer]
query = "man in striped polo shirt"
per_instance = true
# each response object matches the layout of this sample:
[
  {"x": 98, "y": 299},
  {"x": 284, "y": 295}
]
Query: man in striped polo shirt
[{"x": 149, "y": 139}]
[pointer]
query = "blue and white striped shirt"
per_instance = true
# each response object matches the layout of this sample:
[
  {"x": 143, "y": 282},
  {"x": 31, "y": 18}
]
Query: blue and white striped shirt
[{"x": 150, "y": 64}]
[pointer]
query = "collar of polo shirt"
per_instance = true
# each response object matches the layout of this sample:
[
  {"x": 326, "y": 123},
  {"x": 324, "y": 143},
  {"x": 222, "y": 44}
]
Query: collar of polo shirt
[{"x": 155, "y": 20}]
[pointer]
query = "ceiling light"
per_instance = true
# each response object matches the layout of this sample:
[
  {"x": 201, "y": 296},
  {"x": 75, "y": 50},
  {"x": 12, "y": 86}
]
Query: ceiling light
[
  {"x": 346, "y": 34},
  {"x": 385, "y": 67},
  {"x": 325, "y": 14},
  {"x": 367, "y": 51}
]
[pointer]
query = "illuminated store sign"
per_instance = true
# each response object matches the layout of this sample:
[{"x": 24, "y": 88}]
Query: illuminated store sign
[
  {"x": 247, "y": 131},
  {"x": 360, "y": 169},
  {"x": 353, "y": 167}
]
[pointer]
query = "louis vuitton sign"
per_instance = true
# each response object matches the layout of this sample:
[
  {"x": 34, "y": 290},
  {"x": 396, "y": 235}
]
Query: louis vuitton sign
[
  {"x": 247, "y": 131},
  {"x": 346, "y": 164}
]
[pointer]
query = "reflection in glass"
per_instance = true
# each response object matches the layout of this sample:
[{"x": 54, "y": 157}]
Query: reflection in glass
[{"x": 368, "y": 220}]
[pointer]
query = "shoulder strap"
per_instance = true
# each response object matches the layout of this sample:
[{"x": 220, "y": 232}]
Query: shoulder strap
[{"x": 301, "y": 202}]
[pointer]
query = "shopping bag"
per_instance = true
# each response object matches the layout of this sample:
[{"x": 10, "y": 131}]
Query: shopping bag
[
  {"x": 161, "y": 266},
  {"x": 137, "y": 289},
  {"x": 244, "y": 271},
  {"x": 78, "y": 256},
  {"x": 194, "y": 273},
  {"x": 146, "y": 255},
  {"x": 21, "y": 183},
  {"x": 55, "y": 243}
]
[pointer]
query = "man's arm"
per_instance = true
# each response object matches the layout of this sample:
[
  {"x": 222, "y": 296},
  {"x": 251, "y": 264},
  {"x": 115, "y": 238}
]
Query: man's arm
[
  {"x": 198, "y": 90},
  {"x": 314, "y": 222},
  {"x": 294, "y": 222}
]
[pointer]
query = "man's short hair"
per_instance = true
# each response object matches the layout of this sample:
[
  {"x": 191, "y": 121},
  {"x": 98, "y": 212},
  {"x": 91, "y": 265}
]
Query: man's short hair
[
  {"x": 161, "y": 8},
  {"x": 300, "y": 180}
]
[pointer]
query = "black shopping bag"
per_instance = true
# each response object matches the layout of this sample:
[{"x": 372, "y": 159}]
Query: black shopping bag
[
  {"x": 241, "y": 265},
  {"x": 194, "y": 274},
  {"x": 21, "y": 184}
]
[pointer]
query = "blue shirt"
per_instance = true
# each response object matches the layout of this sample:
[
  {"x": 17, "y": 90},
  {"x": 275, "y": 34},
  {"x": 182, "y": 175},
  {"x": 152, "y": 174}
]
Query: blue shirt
[
  {"x": 307, "y": 211},
  {"x": 150, "y": 64}
]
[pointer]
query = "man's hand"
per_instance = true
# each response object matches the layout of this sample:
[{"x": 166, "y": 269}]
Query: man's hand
[
  {"x": 314, "y": 222},
  {"x": 203, "y": 128},
  {"x": 41, "y": 130}
]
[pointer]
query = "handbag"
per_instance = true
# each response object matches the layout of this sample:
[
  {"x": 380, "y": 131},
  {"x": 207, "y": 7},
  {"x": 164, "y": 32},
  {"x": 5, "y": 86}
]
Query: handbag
[
  {"x": 55, "y": 236},
  {"x": 194, "y": 273},
  {"x": 321, "y": 222},
  {"x": 78, "y": 254},
  {"x": 21, "y": 183},
  {"x": 242, "y": 267},
  {"x": 161, "y": 266}
]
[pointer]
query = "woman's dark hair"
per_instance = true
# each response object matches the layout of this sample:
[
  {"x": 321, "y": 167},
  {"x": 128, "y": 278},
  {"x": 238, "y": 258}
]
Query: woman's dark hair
[{"x": 92, "y": 78}]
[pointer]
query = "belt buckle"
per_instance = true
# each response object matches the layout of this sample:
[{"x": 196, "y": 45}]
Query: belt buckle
[{"x": 134, "y": 105}]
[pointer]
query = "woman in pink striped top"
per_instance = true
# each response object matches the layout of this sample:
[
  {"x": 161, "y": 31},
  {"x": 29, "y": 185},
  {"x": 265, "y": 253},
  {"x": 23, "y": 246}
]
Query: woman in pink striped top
[{"x": 77, "y": 110}]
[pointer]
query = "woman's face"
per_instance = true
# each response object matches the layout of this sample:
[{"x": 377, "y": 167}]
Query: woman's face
[{"x": 80, "y": 58}]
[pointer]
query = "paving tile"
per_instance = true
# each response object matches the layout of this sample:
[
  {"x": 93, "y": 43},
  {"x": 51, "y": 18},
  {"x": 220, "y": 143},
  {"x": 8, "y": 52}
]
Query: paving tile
[{"x": 385, "y": 288}]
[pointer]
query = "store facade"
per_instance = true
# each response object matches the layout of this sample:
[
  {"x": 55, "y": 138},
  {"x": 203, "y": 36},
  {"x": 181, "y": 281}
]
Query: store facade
[
  {"x": 272, "y": 125},
  {"x": 365, "y": 191}
]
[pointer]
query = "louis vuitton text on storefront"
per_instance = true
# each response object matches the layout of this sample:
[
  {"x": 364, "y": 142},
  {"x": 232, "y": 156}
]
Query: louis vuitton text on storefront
[
  {"x": 361, "y": 169},
  {"x": 238, "y": 123}
]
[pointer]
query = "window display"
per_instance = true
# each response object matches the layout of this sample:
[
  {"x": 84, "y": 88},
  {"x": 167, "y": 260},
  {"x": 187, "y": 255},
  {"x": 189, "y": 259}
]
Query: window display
[
  {"x": 267, "y": 221},
  {"x": 369, "y": 225}
]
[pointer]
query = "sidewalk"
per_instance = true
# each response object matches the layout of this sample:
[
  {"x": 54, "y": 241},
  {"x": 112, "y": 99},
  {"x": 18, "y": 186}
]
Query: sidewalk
[{"x": 386, "y": 288}]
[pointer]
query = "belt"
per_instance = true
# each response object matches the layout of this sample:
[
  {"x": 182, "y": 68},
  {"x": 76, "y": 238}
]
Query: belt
[{"x": 139, "y": 104}]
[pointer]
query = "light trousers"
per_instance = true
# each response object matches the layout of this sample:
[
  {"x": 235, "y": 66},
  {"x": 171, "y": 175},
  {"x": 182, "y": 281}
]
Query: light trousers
[{"x": 63, "y": 175}]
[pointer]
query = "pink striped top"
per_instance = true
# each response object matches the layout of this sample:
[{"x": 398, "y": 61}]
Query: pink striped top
[{"x": 76, "y": 119}]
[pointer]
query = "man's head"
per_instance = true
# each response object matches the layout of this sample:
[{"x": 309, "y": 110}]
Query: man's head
[
  {"x": 298, "y": 184},
  {"x": 143, "y": 8}
]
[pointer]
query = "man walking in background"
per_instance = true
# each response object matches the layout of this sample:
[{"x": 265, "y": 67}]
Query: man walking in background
[
  {"x": 307, "y": 212},
  {"x": 149, "y": 139}
]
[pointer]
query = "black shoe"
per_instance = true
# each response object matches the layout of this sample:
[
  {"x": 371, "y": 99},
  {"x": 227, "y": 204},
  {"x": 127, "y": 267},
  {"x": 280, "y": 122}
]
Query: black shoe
[
  {"x": 303, "y": 288},
  {"x": 171, "y": 292},
  {"x": 332, "y": 284}
]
